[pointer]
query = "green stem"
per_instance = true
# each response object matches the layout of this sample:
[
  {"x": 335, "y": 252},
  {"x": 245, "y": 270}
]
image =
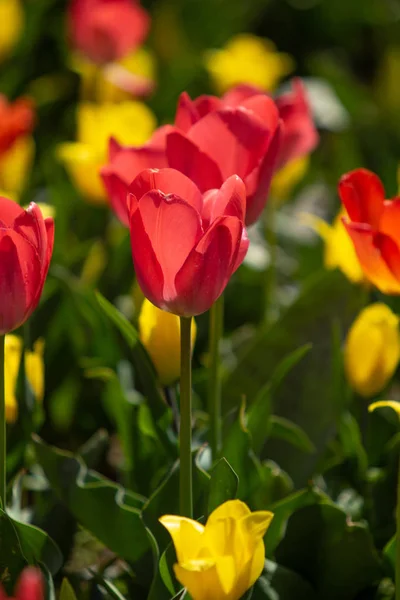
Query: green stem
[
  {"x": 214, "y": 381},
  {"x": 397, "y": 567},
  {"x": 185, "y": 432},
  {"x": 2, "y": 426}
]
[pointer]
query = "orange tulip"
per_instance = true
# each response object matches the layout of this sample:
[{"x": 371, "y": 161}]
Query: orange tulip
[{"x": 374, "y": 227}]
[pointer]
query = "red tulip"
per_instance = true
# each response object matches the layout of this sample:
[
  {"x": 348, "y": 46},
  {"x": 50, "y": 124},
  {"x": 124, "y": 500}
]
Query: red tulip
[
  {"x": 16, "y": 120},
  {"x": 26, "y": 245},
  {"x": 126, "y": 162},
  {"x": 107, "y": 30},
  {"x": 374, "y": 227},
  {"x": 29, "y": 586},
  {"x": 300, "y": 136},
  {"x": 185, "y": 245},
  {"x": 215, "y": 140}
]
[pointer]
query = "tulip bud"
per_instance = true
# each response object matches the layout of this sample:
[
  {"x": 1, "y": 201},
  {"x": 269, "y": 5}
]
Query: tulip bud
[
  {"x": 160, "y": 335},
  {"x": 30, "y": 585},
  {"x": 26, "y": 245},
  {"x": 224, "y": 558},
  {"x": 372, "y": 349},
  {"x": 12, "y": 22}
]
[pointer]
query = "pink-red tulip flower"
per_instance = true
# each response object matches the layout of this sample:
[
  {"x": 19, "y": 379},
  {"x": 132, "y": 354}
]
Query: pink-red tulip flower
[
  {"x": 26, "y": 246},
  {"x": 29, "y": 586},
  {"x": 185, "y": 244},
  {"x": 107, "y": 30}
]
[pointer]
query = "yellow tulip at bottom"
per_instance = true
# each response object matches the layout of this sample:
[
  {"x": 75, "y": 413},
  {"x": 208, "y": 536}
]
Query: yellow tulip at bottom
[
  {"x": 372, "y": 349},
  {"x": 34, "y": 368},
  {"x": 224, "y": 558}
]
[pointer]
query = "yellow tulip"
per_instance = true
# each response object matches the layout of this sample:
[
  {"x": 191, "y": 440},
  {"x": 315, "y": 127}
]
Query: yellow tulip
[
  {"x": 287, "y": 178},
  {"x": 339, "y": 249},
  {"x": 160, "y": 335},
  {"x": 130, "y": 122},
  {"x": 15, "y": 165},
  {"x": 131, "y": 76},
  {"x": 34, "y": 368},
  {"x": 248, "y": 59},
  {"x": 12, "y": 22},
  {"x": 224, "y": 558},
  {"x": 372, "y": 349}
]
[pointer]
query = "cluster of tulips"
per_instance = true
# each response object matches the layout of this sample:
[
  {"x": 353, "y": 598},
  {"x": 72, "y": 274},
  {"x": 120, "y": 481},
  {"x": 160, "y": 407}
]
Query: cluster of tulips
[{"x": 187, "y": 196}]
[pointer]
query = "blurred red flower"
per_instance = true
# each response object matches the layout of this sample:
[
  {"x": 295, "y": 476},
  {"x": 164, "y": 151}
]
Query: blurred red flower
[
  {"x": 29, "y": 586},
  {"x": 185, "y": 244},
  {"x": 374, "y": 227},
  {"x": 107, "y": 30},
  {"x": 16, "y": 120},
  {"x": 26, "y": 245}
]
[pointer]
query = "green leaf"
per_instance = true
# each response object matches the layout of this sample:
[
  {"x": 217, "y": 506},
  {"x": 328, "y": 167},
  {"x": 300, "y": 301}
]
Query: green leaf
[
  {"x": 167, "y": 560},
  {"x": 103, "y": 507},
  {"x": 323, "y": 298},
  {"x": 351, "y": 442},
  {"x": 259, "y": 412},
  {"x": 165, "y": 500},
  {"x": 278, "y": 583},
  {"x": 12, "y": 560},
  {"x": 66, "y": 591},
  {"x": 284, "y": 509},
  {"x": 389, "y": 552},
  {"x": 335, "y": 555},
  {"x": 146, "y": 375},
  {"x": 223, "y": 484},
  {"x": 37, "y": 546},
  {"x": 288, "y": 431},
  {"x": 112, "y": 590}
]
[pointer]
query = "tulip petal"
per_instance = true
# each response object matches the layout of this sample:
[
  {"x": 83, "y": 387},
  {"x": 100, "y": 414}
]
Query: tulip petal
[
  {"x": 186, "y": 113},
  {"x": 30, "y": 585},
  {"x": 186, "y": 535},
  {"x": 229, "y": 200},
  {"x": 300, "y": 135},
  {"x": 20, "y": 280},
  {"x": 185, "y": 156},
  {"x": 9, "y": 211},
  {"x": 370, "y": 257},
  {"x": 385, "y": 404},
  {"x": 243, "y": 248},
  {"x": 264, "y": 108},
  {"x": 238, "y": 94},
  {"x": 235, "y": 509},
  {"x": 233, "y": 138},
  {"x": 117, "y": 192},
  {"x": 174, "y": 228},
  {"x": 390, "y": 219},
  {"x": 257, "y": 523},
  {"x": 363, "y": 196},
  {"x": 147, "y": 268},
  {"x": 201, "y": 580},
  {"x": 205, "y": 274},
  {"x": 30, "y": 224},
  {"x": 259, "y": 181},
  {"x": 167, "y": 181}
]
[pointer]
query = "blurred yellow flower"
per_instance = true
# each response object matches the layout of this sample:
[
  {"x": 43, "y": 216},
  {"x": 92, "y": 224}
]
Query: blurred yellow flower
[
  {"x": 287, "y": 178},
  {"x": 248, "y": 59},
  {"x": 385, "y": 404},
  {"x": 12, "y": 22},
  {"x": 372, "y": 349},
  {"x": 15, "y": 165},
  {"x": 131, "y": 123},
  {"x": 34, "y": 372},
  {"x": 132, "y": 76},
  {"x": 339, "y": 249},
  {"x": 160, "y": 335},
  {"x": 224, "y": 558}
]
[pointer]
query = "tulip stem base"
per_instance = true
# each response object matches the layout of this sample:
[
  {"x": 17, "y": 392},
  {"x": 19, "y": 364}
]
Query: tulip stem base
[
  {"x": 397, "y": 568},
  {"x": 3, "y": 446},
  {"x": 214, "y": 381},
  {"x": 185, "y": 432}
]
